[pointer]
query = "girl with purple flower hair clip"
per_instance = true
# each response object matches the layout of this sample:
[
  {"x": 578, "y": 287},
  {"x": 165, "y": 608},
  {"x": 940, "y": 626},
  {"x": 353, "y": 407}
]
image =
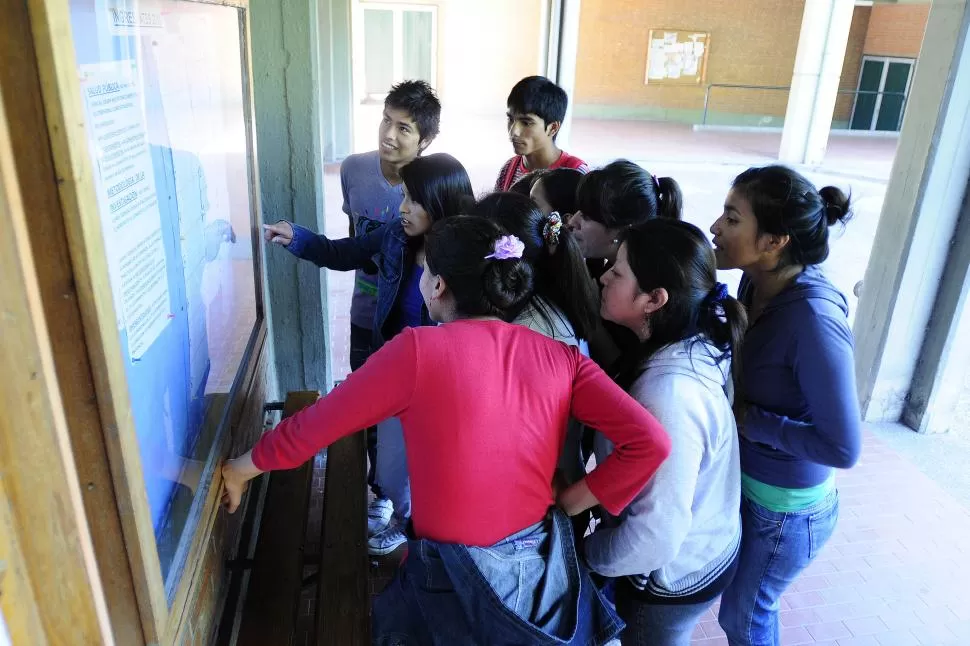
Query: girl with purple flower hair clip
[{"x": 484, "y": 405}]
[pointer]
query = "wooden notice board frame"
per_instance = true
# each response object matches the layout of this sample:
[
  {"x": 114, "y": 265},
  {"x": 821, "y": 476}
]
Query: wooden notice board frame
[
  {"x": 677, "y": 57},
  {"x": 49, "y": 586},
  {"x": 113, "y": 559}
]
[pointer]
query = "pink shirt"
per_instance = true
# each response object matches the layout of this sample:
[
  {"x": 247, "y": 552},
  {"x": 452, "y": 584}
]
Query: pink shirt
[{"x": 484, "y": 406}]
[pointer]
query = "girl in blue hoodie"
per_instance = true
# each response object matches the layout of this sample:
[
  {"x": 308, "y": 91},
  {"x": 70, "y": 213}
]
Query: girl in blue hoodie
[{"x": 797, "y": 409}]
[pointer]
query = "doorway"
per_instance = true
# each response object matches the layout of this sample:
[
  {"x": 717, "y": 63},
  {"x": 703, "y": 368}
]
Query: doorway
[{"x": 883, "y": 91}]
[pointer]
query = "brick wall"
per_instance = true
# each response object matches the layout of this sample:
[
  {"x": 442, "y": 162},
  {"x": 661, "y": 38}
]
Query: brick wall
[
  {"x": 752, "y": 43},
  {"x": 896, "y": 30}
]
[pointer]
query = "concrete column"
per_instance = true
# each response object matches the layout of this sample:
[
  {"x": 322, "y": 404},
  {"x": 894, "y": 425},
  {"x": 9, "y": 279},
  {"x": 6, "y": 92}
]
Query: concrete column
[
  {"x": 566, "y": 63},
  {"x": 815, "y": 82},
  {"x": 939, "y": 379},
  {"x": 911, "y": 307},
  {"x": 288, "y": 133},
  {"x": 560, "y": 33},
  {"x": 549, "y": 22}
]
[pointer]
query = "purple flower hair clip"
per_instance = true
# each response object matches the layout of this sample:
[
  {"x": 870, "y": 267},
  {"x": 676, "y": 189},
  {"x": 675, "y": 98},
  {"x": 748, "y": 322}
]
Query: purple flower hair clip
[{"x": 507, "y": 247}]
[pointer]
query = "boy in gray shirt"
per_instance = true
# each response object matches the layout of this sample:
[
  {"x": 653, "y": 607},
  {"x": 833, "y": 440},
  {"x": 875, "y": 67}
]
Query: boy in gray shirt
[{"x": 372, "y": 192}]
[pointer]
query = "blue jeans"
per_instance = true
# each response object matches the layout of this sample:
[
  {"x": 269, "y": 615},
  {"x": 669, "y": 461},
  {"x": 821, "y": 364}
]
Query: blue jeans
[
  {"x": 360, "y": 348},
  {"x": 392, "y": 468},
  {"x": 775, "y": 548},
  {"x": 528, "y": 588},
  {"x": 360, "y": 338},
  {"x": 649, "y": 624}
]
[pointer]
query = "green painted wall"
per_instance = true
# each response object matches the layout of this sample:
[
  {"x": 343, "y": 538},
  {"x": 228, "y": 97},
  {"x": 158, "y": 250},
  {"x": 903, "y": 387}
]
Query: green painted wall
[{"x": 289, "y": 142}]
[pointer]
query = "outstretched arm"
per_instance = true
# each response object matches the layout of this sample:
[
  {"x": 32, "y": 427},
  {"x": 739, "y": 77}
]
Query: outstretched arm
[
  {"x": 343, "y": 255},
  {"x": 351, "y": 406}
]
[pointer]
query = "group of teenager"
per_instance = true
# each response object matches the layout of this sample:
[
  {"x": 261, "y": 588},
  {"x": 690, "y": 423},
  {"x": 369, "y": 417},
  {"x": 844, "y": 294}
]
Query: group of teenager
[{"x": 580, "y": 434}]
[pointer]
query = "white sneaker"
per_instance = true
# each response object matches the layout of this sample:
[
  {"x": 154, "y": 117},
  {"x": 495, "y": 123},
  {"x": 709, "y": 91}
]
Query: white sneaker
[
  {"x": 379, "y": 513},
  {"x": 386, "y": 542}
]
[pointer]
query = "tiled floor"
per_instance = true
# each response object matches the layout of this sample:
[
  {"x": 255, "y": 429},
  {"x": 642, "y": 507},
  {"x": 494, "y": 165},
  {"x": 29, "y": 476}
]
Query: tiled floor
[{"x": 896, "y": 571}]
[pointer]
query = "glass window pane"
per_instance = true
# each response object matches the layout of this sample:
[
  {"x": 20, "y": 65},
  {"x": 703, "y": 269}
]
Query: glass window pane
[
  {"x": 865, "y": 103},
  {"x": 418, "y": 63},
  {"x": 378, "y": 50},
  {"x": 891, "y": 109},
  {"x": 163, "y": 98}
]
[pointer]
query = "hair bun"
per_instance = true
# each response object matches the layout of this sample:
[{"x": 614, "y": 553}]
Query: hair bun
[
  {"x": 837, "y": 205},
  {"x": 508, "y": 283}
]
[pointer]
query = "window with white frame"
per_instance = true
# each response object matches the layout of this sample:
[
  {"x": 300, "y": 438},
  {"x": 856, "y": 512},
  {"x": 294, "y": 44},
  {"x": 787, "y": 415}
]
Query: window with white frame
[{"x": 400, "y": 42}]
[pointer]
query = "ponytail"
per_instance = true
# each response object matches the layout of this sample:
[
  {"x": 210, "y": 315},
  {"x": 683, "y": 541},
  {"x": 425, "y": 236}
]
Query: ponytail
[
  {"x": 725, "y": 324},
  {"x": 622, "y": 194},
  {"x": 564, "y": 278},
  {"x": 670, "y": 199}
]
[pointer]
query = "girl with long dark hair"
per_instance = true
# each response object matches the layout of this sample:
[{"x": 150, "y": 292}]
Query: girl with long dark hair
[{"x": 484, "y": 405}]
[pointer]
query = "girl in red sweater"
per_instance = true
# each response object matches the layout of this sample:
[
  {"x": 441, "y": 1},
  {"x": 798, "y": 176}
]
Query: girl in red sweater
[{"x": 484, "y": 406}]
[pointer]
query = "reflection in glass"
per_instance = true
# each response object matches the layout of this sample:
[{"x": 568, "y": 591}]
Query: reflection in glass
[{"x": 162, "y": 86}]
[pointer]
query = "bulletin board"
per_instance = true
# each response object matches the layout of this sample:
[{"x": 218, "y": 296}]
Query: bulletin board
[
  {"x": 164, "y": 92},
  {"x": 677, "y": 57}
]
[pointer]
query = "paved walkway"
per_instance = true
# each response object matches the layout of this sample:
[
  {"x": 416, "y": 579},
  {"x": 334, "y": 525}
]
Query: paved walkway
[
  {"x": 704, "y": 163},
  {"x": 896, "y": 571}
]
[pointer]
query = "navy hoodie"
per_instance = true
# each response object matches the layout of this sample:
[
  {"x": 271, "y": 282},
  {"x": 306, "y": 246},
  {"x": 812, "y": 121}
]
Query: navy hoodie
[{"x": 802, "y": 417}]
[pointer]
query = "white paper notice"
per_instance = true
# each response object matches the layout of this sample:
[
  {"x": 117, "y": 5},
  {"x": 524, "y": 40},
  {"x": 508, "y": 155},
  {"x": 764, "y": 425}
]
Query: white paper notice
[
  {"x": 130, "y": 219},
  {"x": 657, "y": 64}
]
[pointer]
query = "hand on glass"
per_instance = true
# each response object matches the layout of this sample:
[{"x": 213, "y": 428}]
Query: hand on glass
[
  {"x": 281, "y": 233},
  {"x": 236, "y": 475}
]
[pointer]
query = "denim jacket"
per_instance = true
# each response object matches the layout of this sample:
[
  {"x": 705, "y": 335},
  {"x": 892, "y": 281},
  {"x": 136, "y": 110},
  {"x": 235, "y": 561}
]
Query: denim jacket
[
  {"x": 529, "y": 588},
  {"x": 386, "y": 245}
]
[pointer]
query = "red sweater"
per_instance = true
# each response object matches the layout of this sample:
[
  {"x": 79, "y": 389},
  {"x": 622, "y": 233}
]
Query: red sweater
[
  {"x": 484, "y": 406},
  {"x": 515, "y": 169}
]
